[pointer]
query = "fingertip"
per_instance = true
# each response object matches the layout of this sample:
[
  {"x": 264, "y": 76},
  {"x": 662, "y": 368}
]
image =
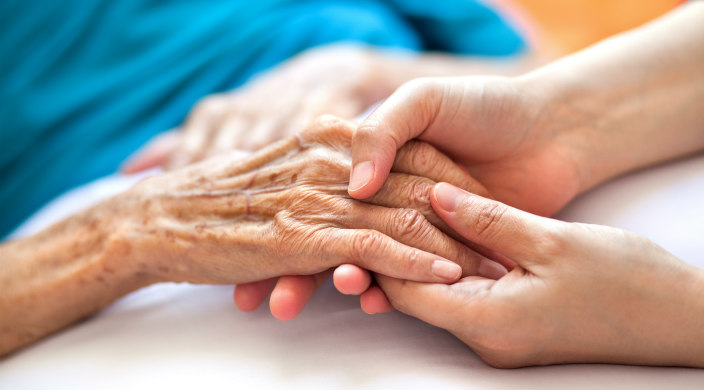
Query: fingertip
[
  {"x": 374, "y": 301},
  {"x": 366, "y": 178},
  {"x": 445, "y": 197},
  {"x": 351, "y": 280},
  {"x": 284, "y": 306},
  {"x": 249, "y": 296},
  {"x": 290, "y": 296},
  {"x": 243, "y": 299}
]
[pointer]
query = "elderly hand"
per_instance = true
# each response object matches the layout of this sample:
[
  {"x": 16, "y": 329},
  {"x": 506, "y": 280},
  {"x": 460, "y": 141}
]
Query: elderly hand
[
  {"x": 284, "y": 211},
  {"x": 427, "y": 166},
  {"x": 341, "y": 80},
  {"x": 503, "y": 132},
  {"x": 579, "y": 293}
]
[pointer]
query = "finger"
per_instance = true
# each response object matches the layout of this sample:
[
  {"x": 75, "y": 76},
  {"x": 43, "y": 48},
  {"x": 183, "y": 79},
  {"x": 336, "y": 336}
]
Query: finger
[
  {"x": 422, "y": 159},
  {"x": 378, "y": 252},
  {"x": 410, "y": 227},
  {"x": 408, "y": 190},
  {"x": 374, "y": 301},
  {"x": 154, "y": 154},
  {"x": 403, "y": 116},
  {"x": 351, "y": 280},
  {"x": 437, "y": 304},
  {"x": 248, "y": 296},
  {"x": 492, "y": 224},
  {"x": 402, "y": 193},
  {"x": 291, "y": 294}
]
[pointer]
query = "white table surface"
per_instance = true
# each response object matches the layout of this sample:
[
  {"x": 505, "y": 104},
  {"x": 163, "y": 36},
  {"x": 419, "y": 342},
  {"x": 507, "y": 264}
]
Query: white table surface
[{"x": 183, "y": 336}]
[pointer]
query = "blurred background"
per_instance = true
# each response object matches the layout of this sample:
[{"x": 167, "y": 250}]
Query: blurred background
[{"x": 85, "y": 84}]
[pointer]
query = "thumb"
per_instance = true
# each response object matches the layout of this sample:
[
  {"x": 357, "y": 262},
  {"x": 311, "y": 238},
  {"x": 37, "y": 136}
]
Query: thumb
[
  {"x": 492, "y": 224},
  {"x": 403, "y": 116},
  {"x": 436, "y": 303}
]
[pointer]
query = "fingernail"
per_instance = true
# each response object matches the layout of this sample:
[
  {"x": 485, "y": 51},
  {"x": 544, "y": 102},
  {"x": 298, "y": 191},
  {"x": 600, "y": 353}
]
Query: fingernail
[
  {"x": 491, "y": 269},
  {"x": 362, "y": 174},
  {"x": 446, "y": 270},
  {"x": 448, "y": 196}
]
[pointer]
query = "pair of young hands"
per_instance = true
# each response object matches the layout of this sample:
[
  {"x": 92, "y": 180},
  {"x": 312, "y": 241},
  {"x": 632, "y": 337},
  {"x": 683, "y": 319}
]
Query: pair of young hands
[{"x": 573, "y": 292}]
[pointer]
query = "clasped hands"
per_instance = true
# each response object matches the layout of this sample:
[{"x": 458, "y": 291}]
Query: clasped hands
[
  {"x": 573, "y": 292},
  {"x": 531, "y": 290}
]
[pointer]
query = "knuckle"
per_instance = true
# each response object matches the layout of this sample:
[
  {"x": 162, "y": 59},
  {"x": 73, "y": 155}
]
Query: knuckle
[
  {"x": 488, "y": 219},
  {"x": 364, "y": 245},
  {"x": 420, "y": 192},
  {"x": 327, "y": 128},
  {"x": 422, "y": 155},
  {"x": 367, "y": 131},
  {"x": 410, "y": 224}
]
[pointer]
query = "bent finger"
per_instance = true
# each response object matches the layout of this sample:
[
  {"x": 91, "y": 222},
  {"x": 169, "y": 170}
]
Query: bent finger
[
  {"x": 442, "y": 305},
  {"x": 422, "y": 159},
  {"x": 292, "y": 293},
  {"x": 374, "y": 301},
  {"x": 378, "y": 252},
  {"x": 351, "y": 280},
  {"x": 410, "y": 227},
  {"x": 248, "y": 296},
  {"x": 403, "y": 116}
]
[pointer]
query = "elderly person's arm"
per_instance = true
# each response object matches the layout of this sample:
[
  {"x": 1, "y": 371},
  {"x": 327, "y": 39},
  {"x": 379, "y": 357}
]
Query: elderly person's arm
[{"x": 284, "y": 211}]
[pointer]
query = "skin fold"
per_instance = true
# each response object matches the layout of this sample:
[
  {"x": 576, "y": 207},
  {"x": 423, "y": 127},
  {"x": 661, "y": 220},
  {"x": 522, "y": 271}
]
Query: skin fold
[{"x": 282, "y": 211}]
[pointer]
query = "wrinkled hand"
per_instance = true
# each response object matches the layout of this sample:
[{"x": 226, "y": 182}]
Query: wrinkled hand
[
  {"x": 580, "y": 293},
  {"x": 285, "y": 211},
  {"x": 337, "y": 79},
  {"x": 427, "y": 165}
]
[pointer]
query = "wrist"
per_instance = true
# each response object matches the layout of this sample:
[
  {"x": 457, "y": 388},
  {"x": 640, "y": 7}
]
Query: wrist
[
  {"x": 587, "y": 124},
  {"x": 133, "y": 244}
]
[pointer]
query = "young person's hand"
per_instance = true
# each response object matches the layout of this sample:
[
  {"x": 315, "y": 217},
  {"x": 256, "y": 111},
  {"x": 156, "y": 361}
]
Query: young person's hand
[{"x": 579, "y": 293}]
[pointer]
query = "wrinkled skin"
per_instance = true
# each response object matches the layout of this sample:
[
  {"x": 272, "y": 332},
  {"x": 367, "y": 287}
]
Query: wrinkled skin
[
  {"x": 282, "y": 211},
  {"x": 286, "y": 210}
]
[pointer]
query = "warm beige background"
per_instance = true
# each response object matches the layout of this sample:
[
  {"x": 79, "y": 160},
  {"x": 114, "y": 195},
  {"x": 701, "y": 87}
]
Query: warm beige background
[{"x": 563, "y": 26}]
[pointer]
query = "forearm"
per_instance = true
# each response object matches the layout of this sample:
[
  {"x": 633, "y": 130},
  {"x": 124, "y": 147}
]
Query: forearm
[
  {"x": 633, "y": 100},
  {"x": 62, "y": 275},
  {"x": 396, "y": 68}
]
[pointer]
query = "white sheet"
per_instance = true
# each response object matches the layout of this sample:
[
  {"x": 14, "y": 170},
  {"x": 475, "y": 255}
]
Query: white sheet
[{"x": 184, "y": 336}]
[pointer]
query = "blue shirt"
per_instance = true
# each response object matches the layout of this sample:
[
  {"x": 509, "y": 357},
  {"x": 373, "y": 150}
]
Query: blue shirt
[{"x": 85, "y": 83}]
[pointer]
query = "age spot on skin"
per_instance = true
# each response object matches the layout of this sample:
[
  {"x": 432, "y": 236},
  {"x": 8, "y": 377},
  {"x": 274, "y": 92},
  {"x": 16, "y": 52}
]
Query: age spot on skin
[{"x": 294, "y": 178}]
